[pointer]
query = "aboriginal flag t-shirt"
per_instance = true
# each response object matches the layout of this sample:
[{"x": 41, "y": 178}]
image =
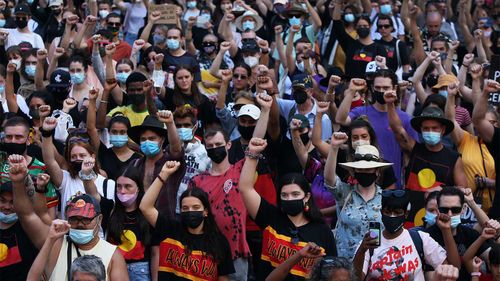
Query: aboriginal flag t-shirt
[{"x": 17, "y": 253}]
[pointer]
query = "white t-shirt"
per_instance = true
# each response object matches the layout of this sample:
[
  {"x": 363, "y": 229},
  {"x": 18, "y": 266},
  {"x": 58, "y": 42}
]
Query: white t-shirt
[
  {"x": 20, "y": 102},
  {"x": 70, "y": 186},
  {"x": 15, "y": 38},
  {"x": 134, "y": 18},
  {"x": 397, "y": 259}
]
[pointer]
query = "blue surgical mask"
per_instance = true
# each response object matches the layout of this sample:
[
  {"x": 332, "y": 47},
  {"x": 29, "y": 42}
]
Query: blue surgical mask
[
  {"x": 185, "y": 134},
  {"x": 118, "y": 140},
  {"x": 294, "y": 21},
  {"x": 2, "y": 23},
  {"x": 77, "y": 78},
  {"x": 300, "y": 66},
  {"x": 386, "y": 9},
  {"x": 430, "y": 218},
  {"x": 81, "y": 236},
  {"x": 248, "y": 25},
  {"x": 431, "y": 138},
  {"x": 444, "y": 93},
  {"x": 2, "y": 89},
  {"x": 173, "y": 44},
  {"x": 150, "y": 148},
  {"x": 10, "y": 218},
  {"x": 158, "y": 39},
  {"x": 30, "y": 70},
  {"x": 122, "y": 76},
  {"x": 349, "y": 17},
  {"x": 455, "y": 221},
  {"x": 191, "y": 4}
]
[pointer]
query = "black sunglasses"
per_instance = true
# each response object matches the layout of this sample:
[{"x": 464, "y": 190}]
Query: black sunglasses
[
  {"x": 386, "y": 26},
  {"x": 454, "y": 210},
  {"x": 84, "y": 221},
  {"x": 239, "y": 76},
  {"x": 115, "y": 24},
  {"x": 397, "y": 193},
  {"x": 366, "y": 157}
]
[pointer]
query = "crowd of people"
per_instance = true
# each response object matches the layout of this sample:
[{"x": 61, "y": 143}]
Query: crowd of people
[{"x": 240, "y": 140}]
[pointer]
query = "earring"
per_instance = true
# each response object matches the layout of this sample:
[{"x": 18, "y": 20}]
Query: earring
[{"x": 306, "y": 207}]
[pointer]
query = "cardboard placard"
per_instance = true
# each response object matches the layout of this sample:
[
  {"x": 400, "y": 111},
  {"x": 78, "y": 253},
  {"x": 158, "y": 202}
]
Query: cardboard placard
[
  {"x": 167, "y": 11},
  {"x": 494, "y": 98}
]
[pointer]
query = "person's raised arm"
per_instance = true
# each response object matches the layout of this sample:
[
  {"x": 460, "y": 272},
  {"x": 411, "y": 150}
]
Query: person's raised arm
[
  {"x": 448, "y": 63},
  {"x": 405, "y": 141},
  {"x": 313, "y": 15},
  {"x": 22, "y": 183},
  {"x": 445, "y": 272},
  {"x": 481, "y": 216},
  {"x": 149, "y": 92},
  {"x": 38, "y": 269},
  {"x": 470, "y": 253},
  {"x": 265, "y": 102},
  {"x": 247, "y": 176},
  {"x": 462, "y": 22},
  {"x": 40, "y": 201},
  {"x": 53, "y": 168},
  {"x": 214, "y": 68},
  {"x": 97, "y": 63},
  {"x": 309, "y": 251},
  {"x": 174, "y": 142},
  {"x": 226, "y": 75},
  {"x": 330, "y": 174},
  {"x": 273, "y": 126},
  {"x": 405, "y": 14},
  {"x": 41, "y": 57},
  {"x": 462, "y": 77},
  {"x": 280, "y": 46},
  {"x": 117, "y": 92},
  {"x": 418, "y": 45},
  {"x": 147, "y": 205},
  {"x": 482, "y": 55},
  {"x": 321, "y": 146},
  {"x": 458, "y": 132},
  {"x": 443, "y": 221},
  {"x": 484, "y": 128},
  {"x": 191, "y": 49},
  {"x": 66, "y": 39},
  {"x": 58, "y": 52},
  {"x": 356, "y": 85},
  {"x": 10, "y": 96},
  {"x": 290, "y": 56},
  {"x": 91, "y": 119},
  {"x": 88, "y": 26},
  {"x": 109, "y": 85},
  {"x": 367, "y": 244},
  {"x": 87, "y": 170},
  {"x": 419, "y": 75},
  {"x": 152, "y": 19},
  {"x": 298, "y": 145}
]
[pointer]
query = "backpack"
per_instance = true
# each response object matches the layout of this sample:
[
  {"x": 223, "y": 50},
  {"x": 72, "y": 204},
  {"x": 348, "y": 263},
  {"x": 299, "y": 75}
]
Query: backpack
[{"x": 419, "y": 245}]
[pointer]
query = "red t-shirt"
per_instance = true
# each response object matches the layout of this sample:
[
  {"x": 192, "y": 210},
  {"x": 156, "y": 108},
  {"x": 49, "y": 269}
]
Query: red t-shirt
[
  {"x": 123, "y": 50},
  {"x": 227, "y": 206}
]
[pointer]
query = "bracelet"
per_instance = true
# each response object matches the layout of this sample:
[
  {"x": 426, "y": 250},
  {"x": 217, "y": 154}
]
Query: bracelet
[
  {"x": 253, "y": 156},
  {"x": 45, "y": 133},
  {"x": 162, "y": 180},
  {"x": 103, "y": 101},
  {"x": 85, "y": 177},
  {"x": 474, "y": 274}
]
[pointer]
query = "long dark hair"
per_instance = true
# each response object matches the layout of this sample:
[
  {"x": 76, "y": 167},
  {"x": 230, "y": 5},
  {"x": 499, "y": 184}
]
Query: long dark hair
[
  {"x": 178, "y": 97},
  {"x": 313, "y": 215},
  {"x": 358, "y": 123},
  {"x": 211, "y": 233},
  {"x": 117, "y": 217}
]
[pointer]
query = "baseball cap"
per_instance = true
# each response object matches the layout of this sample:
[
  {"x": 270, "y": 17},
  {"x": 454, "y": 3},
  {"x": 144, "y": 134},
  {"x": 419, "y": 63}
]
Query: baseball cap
[
  {"x": 249, "y": 110},
  {"x": 59, "y": 79},
  {"x": 25, "y": 46},
  {"x": 303, "y": 119},
  {"x": 83, "y": 206},
  {"x": 371, "y": 68},
  {"x": 55, "y": 3},
  {"x": 302, "y": 80},
  {"x": 22, "y": 9}
]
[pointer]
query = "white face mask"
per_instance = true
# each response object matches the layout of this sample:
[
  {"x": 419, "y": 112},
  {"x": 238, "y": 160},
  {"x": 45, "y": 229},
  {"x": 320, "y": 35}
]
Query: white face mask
[
  {"x": 357, "y": 143},
  {"x": 103, "y": 13},
  {"x": 251, "y": 60},
  {"x": 17, "y": 63}
]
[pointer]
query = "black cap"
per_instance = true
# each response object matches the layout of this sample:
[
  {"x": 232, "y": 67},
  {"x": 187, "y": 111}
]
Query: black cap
[
  {"x": 59, "y": 79},
  {"x": 22, "y": 9}
]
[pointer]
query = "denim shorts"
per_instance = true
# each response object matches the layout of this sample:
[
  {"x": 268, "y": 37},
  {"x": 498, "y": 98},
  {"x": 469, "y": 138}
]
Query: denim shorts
[{"x": 139, "y": 271}]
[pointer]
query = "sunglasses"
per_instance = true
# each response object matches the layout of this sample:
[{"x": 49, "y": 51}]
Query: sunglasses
[
  {"x": 240, "y": 76},
  {"x": 115, "y": 24},
  {"x": 366, "y": 157},
  {"x": 454, "y": 210},
  {"x": 397, "y": 193},
  {"x": 386, "y": 26},
  {"x": 84, "y": 221},
  {"x": 294, "y": 16}
]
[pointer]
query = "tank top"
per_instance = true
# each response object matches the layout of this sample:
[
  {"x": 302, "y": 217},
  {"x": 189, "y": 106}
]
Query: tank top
[{"x": 102, "y": 249}]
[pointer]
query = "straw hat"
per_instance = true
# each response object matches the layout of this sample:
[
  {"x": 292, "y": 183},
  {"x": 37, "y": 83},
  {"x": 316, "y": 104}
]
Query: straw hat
[
  {"x": 258, "y": 20},
  {"x": 367, "y": 158}
]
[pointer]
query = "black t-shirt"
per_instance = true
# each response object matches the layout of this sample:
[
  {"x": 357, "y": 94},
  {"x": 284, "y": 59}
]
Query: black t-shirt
[
  {"x": 206, "y": 109},
  {"x": 177, "y": 263},
  {"x": 111, "y": 163},
  {"x": 464, "y": 238},
  {"x": 392, "y": 56},
  {"x": 282, "y": 239},
  {"x": 19, "y": 255},
  {"x": 494, "y": 148},
  {"x": 357, "y": 55},
  {"x": 185, "y": 60}
]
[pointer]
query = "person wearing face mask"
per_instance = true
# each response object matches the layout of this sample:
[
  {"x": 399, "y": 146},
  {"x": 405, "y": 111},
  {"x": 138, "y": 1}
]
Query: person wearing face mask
[
  {"x": 28, "y": 70},
  {"x": 176, "y": 55},
  {"x": 352, "y": 222},
  {"x": 359, "y": 52},
  {"x": 195, "y": 237},
  {"x": 151, "y": 137},
  {"x": 50, "y": 20},
  {"x": 249, "y": 21},
  {"x": 295, "y": 221},
  {"x": 191, "y": 10},
  {"x": 451, "y": 203},
  {"x": 372, "y": 255},
  {"x": 22, "y": 33},
  {"x": 385, "y": 8}
]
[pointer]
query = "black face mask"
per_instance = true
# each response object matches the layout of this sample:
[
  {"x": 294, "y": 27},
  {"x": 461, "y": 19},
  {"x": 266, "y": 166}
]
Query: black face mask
[
  {"x": 304, "y": 138},
  {"x": 192, "y": 219},
  {"x": 431, "y": 80},
  {"x": 137, "y": 99},
  {"x": 59, "y": 94},
  {"x": 113, "y": 29},
  {"x": 292, "y": 207},
  {"x": 76, "y": 165},
  {"x": 393, "y": 224},
  {"x": 365, "y": 179},
  {"x": 34, "y": 113},
  {"x": 363, "y": 32},
  {"x": 378, "y": 96},
  {"x": 217, "y": 154},
  {"x": 21, "y": 23},
  {"x": 14, "y": 148},
  {"x": 246, "y": 132},
  {"x": 299, "y": 96}
]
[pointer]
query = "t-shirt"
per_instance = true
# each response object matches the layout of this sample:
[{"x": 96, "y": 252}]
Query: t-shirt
[
  {"x": 282, "y": 239},
  {"x": 205, "y": 110},
  {"x": 398, "y": 259},
  {"x": 111, "y": 163},
  {"x": 389, "y": 146},
  {"x": 494, "y": 148},
  {"x": 34, "y": 169},
  {"x": 136, "y": 118},
  {"x": 171, "y": 63},
  {"x": 15, "y": 38},
  {"x": 322, "y": 196},
  {"x": 17, "y": 253},
  {"x": 392, "y": 55},
  {"x": 227, "y": 206},
  {"x": 183, "y": 256}
]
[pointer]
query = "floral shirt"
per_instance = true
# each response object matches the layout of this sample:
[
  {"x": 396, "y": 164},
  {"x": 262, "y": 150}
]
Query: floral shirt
[{"x": 354, "y": 216}]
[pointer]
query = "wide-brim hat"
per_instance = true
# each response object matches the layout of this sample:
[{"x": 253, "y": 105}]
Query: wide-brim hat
[
  {"x": 259, "y": 22},
  {"x": 445, "y": 80},
  {"x": 368, "y": 152},
  {"x": 432, "y": 113},
  {"x": 150, "y": 123},
  {"x": 294, "y": 9}
]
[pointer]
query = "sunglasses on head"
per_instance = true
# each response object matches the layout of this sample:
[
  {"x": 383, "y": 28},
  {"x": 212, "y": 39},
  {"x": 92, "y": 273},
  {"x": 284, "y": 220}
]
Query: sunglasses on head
[
  {"x": 454, "y": 210},
  {"x": 397, "y": 193},
  {"x": 366, "y": 157}
]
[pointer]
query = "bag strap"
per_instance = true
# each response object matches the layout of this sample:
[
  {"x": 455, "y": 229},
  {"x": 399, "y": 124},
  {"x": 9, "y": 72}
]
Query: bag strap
[
  {"x": 397, "y": 53},
  {"x": 69, "y": 260},
  {"x": 343, "y": 207},
  {"x": 105, "y": 188},
  {"x": 419, "y": 245}
]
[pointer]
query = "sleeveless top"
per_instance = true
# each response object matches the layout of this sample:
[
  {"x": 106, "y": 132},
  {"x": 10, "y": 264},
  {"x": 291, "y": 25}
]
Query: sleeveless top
[{"x": 102, "y": 249}]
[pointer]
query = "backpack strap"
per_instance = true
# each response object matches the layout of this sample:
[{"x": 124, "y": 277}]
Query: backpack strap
[
  {"x": 105, "y": 188},
  {"x": 419, "y": 245},
  {"x": 397, "y": 53}
]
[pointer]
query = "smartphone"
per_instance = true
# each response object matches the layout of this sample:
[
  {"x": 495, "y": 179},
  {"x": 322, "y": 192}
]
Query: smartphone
[{"x": 375, "y": 231}]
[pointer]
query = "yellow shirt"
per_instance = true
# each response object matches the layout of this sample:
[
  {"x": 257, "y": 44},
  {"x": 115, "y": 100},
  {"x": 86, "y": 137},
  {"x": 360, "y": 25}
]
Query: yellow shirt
[
  {"x": 136, "y": 118},
  {"x": 472, "y": 158}
]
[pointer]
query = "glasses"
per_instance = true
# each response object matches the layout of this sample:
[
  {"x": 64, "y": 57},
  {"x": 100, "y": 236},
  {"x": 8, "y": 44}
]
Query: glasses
[
  {"x": 454, "y": 210},
  {"x": 294, "y": 16},
  {"x": 366, "y": 157},
  {"x": 240, "y": 76},
  {"x": 386, "y": 26},
  {"x": 397, "y": 193},
  {"x": 115, "y": 24},
  {"x": 77, "y": 220}
]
